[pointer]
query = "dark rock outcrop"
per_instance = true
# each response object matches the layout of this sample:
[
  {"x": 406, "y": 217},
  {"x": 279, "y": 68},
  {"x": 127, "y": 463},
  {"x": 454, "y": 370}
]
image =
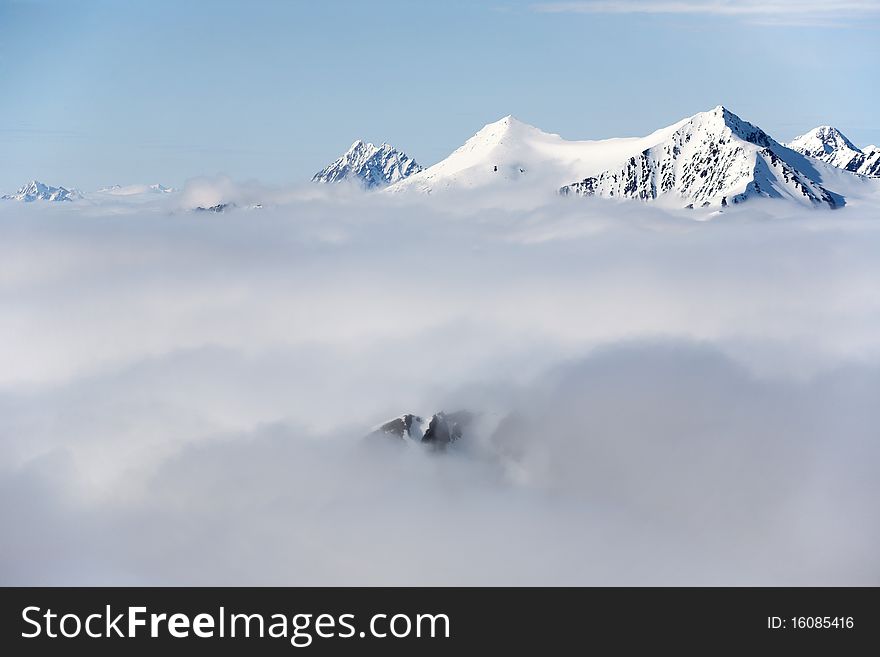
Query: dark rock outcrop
[
  {"x": 399, "y": 427},
  {"x": 446, "y": 428},
  {"x": 438, "y": 432}
]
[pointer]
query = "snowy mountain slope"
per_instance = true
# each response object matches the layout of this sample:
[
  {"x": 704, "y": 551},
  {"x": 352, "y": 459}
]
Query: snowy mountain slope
[
  {"x": 373, "y": 166},
  {"x": 710, "y": 160},
  {"x": 829, "y": 145},
  {"x": 37, "y": 191},
  {"x": 509, "y": 152}
]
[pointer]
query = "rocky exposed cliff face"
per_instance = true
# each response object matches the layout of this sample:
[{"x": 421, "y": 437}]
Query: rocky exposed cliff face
[
  {"x": 438, "y": 431},
  {"x": 711, "y": 160}
]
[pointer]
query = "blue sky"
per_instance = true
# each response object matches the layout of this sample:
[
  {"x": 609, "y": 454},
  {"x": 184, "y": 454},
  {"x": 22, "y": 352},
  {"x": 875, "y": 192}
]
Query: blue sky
[{"x": 98, "y": 92}]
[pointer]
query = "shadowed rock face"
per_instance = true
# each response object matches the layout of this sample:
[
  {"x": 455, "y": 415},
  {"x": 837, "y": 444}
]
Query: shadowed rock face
[
  {"x": 439, "y": 432},
  {"x": 446, "y": 428},
  {"x": 713, "y": 159},
  {"x": 399, "y": 426},
  {"x": 372, "y": 166}
]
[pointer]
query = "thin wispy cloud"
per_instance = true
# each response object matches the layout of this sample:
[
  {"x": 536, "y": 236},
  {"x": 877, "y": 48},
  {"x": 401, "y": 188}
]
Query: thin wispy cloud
[{"x": 772, "y": 12}]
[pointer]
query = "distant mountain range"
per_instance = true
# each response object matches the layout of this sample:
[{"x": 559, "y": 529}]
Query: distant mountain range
[
  {"x": 132, "y": 190},
  {"x": 710, "y": 160},
  {"x": 37, "y": 191}
]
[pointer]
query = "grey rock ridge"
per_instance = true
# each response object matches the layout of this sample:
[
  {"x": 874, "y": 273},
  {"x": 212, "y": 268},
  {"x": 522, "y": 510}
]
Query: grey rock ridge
[
  {"x": 439, "y": 431},
  {"x": 711, "y": 160},
  {"x": 372, "y": 166},
  {"x": 37, "y": 191}
]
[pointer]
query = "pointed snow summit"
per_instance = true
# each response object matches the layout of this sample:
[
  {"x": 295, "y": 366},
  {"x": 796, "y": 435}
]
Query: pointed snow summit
[
  {"x": 507, "y": 133},
  {"x": 373, "y": 166},
  {"x": 37, "y": 191},
  {"x": 830, "y": 145},
  {"x": 504, "y": 153},
  {"x": 710, "y": 160}
]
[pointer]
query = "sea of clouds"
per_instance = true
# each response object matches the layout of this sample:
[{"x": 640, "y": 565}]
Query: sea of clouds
[{"x": 184, "y": 395}]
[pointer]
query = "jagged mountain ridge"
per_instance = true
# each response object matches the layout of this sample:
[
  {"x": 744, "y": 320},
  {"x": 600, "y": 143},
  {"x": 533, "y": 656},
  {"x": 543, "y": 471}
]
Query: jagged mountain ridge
[
  {"x": 830, "y": 145},
  {"x": 373, "y": 166},
  {"x": 438, "y": 431},
  {"x": 38, "y": 191},
  {"x": 711, "y": 160},
  {"x": 707, "y": 160}
]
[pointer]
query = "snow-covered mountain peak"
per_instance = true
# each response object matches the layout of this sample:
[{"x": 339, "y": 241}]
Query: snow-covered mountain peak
[
  {"x": 507, "y": 122},
  {"x": 506, "y": 128},
  {"x": 34, "y": 188},
  {"x": 38, "y": 191},
  {"x": 359, "y": 147},
  {"x": 373, "y": 166},
  {"x": 823, "y": 140},
  {"x": 501, "y": 124},
  {"x": 830, "y": 145},
  {"x": 503, "y": 153},
  {"x": 710, "y": 160},
  {"x": 719, "y": 122}
]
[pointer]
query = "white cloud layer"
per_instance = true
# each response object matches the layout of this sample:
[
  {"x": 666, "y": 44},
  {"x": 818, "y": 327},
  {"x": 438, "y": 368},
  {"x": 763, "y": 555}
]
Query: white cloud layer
[{"x": 183, "y": 395}]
